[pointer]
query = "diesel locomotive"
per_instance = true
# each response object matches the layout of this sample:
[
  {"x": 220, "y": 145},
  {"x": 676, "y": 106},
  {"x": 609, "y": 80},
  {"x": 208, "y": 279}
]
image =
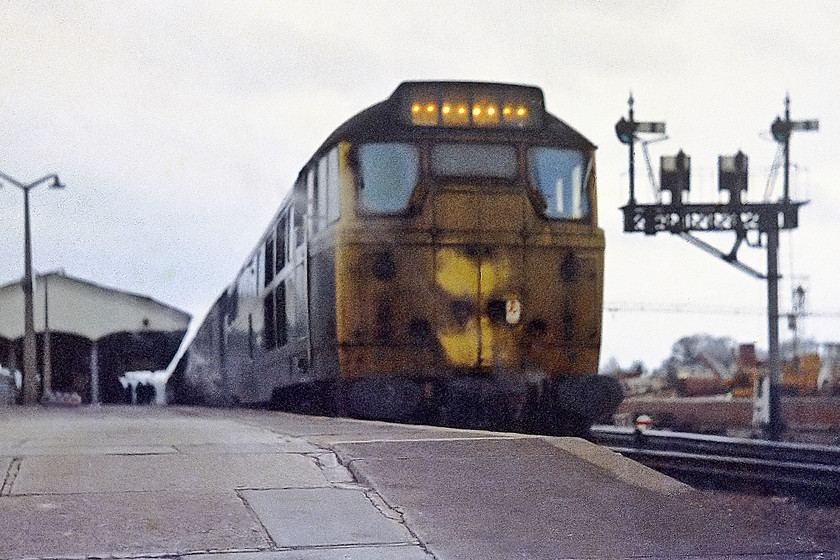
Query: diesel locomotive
[{"x": 437, "y": 260}]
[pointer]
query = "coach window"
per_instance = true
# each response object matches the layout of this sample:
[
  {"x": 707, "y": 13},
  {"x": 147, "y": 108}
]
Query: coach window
[
  {"x": 475, "y": 160},
  {"x": 280, "y": 328},
  {"x": 561, "y": 176},
  {"x": 282, "y": 226},
  {"x": 389, "y": 172},
  {"x": 297, "y": 230},
  {"x": 269, "y": 260},
  {"x": 298, "y": 211},
  {"x": 269, "y": 337},
  {"x": 282, "y": 241}
]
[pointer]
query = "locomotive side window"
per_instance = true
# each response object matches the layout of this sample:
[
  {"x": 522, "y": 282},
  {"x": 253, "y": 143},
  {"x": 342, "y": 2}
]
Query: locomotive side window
[
  {"x": 311, "y": 196},
  {"x": 332, "y": 186},
  {"x": 561, "y": 175},
  {"x": 474, "y": 160},
  {"x": 322, "y": 192},
  {"x": 389, "y": 172}
]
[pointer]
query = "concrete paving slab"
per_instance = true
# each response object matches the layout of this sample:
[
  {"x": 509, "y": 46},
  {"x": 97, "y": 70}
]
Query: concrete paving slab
[
  {"x": 128, "y": 524},
  {"x": 326, "y": 431},
  {"x": 323, "y": 517},
  {"x": 491, "y": 498},
  {"x": 162, "y": 431},
  {"x": 392, "y": 552},
  {"x": 73, "y": 427},
  {"x": 131, "y": 473},
  {"x": 35, "y": 449},
  {"x": 297, "y": 445}
]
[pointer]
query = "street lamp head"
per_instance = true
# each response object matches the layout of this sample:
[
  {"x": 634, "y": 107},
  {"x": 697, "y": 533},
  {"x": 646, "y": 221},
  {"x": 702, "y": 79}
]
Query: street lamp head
[{"x": 56, "y": 184}]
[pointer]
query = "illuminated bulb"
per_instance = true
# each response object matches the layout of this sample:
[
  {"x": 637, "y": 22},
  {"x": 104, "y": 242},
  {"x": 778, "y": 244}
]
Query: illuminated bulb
[
  {"x": 476, "y": 111},
  {"x": 462, "y": 110},
  {"x": 446, "y": 109},
  {"x": 521, "y": 111},
  {"x": 415, "y": 108},
  {"x": 491, "y": 111},
  {"x": 430, "y": 108},
  {"x": 507, "y": 110}
]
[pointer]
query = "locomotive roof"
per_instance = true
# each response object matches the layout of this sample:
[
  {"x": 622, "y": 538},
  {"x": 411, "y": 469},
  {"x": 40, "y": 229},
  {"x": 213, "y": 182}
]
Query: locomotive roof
[{"x": 383, "y": 119}]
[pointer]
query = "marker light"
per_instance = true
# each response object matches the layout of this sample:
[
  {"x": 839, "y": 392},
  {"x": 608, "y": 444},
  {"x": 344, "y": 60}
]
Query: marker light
[
  {"x": 453, "y": 97},
  {"x": 518, "y": 117},
  {"x": 486, "y": 102},
  {"x": 425, "y": 107},
  {"x": 469, "y": 104}
]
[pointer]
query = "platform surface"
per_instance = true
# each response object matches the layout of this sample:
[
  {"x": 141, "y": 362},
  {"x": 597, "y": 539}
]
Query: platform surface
[{"x": 217, "y": 484}]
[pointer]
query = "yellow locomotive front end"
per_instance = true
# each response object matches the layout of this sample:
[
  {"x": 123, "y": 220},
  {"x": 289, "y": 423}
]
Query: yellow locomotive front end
[{"x": 469, "y": 264}]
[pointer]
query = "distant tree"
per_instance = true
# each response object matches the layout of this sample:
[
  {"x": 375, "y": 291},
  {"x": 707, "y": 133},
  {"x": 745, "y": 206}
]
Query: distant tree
[
  {"x": 611, "y": 367},
  {"x": 695, "y": 349},
  {"x": 789, "y": 348}
]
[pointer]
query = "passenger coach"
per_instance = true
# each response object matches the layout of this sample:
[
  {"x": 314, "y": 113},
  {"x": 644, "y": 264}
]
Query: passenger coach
[{"x": 438, "y": 259}]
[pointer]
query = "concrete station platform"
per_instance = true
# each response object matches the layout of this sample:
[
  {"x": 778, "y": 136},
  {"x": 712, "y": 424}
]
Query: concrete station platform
[{"x": 211, "y": 484}]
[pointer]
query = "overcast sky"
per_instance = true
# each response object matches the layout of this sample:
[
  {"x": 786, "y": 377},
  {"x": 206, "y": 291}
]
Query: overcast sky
[{"x": 179, "y": 126}]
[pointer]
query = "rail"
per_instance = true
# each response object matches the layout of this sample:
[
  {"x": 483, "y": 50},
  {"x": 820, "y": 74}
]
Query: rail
[{"x": 802, "y": 470}]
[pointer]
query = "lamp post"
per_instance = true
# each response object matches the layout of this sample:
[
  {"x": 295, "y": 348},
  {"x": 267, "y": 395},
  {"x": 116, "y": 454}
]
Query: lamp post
[{"x": 30, "y": 362}]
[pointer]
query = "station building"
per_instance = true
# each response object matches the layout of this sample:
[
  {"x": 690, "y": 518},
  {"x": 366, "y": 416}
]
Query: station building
[{"x": 89, "y": 335}]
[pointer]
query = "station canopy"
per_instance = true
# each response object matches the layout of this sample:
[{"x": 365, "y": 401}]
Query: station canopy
[{"x": 73, "y": 306}]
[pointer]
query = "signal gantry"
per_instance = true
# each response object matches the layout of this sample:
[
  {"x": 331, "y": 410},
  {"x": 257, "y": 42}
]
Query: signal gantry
[{"x": 681, "y": 218}]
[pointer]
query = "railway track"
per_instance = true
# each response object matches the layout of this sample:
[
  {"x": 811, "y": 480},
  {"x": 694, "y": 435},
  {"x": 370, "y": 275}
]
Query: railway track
[{"x": 793, "y": 469}]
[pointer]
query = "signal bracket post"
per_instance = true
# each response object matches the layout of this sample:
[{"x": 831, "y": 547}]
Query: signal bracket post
[{"x": 767, "y": 218}]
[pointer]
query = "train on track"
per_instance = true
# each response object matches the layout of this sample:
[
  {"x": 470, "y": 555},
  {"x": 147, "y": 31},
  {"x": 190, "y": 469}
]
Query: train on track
[{"x": 437, "y": 260}]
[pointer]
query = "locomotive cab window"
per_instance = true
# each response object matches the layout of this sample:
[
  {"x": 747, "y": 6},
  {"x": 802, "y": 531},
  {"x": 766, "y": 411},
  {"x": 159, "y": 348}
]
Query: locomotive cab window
[
  {"x": 322, "y": 192},
  {"x": 561, "y": 175},
  {"x": 474, "y": 160},
  {"x": 388, "y": 174}
]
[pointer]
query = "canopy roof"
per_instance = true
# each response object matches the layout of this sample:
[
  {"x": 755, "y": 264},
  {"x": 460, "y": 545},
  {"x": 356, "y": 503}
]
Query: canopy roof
[{"x": 86, "y": 309}]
